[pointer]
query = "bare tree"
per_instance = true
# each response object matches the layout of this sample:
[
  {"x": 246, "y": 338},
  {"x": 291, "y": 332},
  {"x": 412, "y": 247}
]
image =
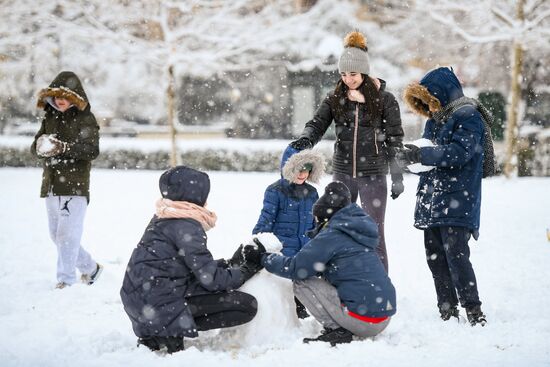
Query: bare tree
[
  {"x": 176, "y": 38},
  {"x": 524, "y": 25}
]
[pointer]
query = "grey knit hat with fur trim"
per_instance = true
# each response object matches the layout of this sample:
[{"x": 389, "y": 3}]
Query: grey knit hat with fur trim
[{"x": 355, "y": 58}]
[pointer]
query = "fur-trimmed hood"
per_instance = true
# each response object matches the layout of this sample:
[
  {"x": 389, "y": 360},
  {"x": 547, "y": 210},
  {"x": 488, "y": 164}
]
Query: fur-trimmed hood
[
  {"x": 65, "y": 85},
  {"x": 295, "y": 163},
  {"x": 437, "y": 89}
]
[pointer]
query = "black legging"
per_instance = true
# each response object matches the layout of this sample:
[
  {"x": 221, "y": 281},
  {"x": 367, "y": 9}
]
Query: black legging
[
  {"x": 221, "y": 310},
  {"x": 373, "y": 191}
]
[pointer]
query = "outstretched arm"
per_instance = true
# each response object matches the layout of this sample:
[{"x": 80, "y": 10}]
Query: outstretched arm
[
  {"x": 211, "y": 275},
  {"x": 316, "y": 128},
  {"x": 310, "y": 261}
]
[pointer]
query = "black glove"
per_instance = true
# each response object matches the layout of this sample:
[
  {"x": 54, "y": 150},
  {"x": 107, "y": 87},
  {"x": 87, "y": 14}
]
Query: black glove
[
  {"x": 249, "y": 270},
  {"x": 407, "y": 155},
  {"x": 222, "y": 263},
  {"x": 302, "y": 143},
  {"x": 237, "y": 259},
  {"x": 397, "y": 188},
  {"x": 253, "y": 253}
]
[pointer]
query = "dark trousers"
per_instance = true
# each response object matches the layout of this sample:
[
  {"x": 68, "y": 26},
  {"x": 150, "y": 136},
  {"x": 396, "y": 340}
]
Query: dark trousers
[
  {"x": 373, "y": 191},
  {"x": 448, "y": 257},
  {"x": 222, "y": 310}
]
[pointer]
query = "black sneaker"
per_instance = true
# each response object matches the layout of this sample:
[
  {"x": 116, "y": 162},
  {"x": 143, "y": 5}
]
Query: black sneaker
[
  {"x": 476, "y": 316},
  {"x": 301, "y": 311},
  {"x": 91, "y": 278},
  {"x": 166, "y": 344},
  {"x": 335, "y": 336},
  {"x": 447, "y": 313}
]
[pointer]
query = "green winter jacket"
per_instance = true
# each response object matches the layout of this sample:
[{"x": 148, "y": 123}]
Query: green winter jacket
[{"x": 68, "y": 173}]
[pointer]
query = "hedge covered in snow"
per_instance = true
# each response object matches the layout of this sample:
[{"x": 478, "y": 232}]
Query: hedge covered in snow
[{"x": 206, "y": 159}]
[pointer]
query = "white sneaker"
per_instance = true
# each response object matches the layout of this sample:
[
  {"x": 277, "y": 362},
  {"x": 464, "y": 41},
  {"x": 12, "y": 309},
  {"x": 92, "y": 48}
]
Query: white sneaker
[{"x": 91, "y": 278}]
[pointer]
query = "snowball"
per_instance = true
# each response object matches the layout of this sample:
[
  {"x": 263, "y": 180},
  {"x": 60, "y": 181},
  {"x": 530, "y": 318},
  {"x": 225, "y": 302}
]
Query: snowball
[
  {"x": 44, "y": 144},
  {"x": 418, "y": 167},
  {"x": 269, "y": 240}
]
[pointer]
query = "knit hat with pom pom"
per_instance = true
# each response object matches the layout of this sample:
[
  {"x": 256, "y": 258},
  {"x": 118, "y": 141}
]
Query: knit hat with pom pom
[{"x": 354, "y": 59}]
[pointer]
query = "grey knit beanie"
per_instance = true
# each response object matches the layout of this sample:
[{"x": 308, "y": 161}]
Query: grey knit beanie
[{"x": 355, "y": 58}]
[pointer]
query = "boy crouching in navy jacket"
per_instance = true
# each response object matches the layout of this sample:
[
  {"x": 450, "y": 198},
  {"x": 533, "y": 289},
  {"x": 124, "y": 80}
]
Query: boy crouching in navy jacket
[{"x": 338, "y": 275}]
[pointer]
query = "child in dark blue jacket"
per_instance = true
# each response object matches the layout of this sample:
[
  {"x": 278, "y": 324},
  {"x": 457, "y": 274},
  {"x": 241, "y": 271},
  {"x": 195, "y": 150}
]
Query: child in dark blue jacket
[
  {"x": 288, "y": 203},
  {"x": 338, "y": 275},
  {"x": 448, "y": 198}
]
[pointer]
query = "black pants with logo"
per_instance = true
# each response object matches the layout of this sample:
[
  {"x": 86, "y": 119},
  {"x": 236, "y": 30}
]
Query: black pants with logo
[{"x": 448, "y": 257}]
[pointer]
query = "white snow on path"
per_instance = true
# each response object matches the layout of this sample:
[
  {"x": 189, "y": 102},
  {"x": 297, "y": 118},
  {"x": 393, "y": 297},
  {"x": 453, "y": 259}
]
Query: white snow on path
[{"x": 86, "y": 326}]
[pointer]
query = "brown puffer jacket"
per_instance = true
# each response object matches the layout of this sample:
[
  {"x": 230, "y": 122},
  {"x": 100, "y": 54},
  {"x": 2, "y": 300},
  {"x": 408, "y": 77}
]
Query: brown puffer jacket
[{"x": 68, "y": 173}]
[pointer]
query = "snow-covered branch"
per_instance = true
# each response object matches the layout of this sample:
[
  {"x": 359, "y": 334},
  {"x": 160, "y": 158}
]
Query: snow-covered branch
[
  {"x": 456, "y": 28},
  {"x": 499, "y": 14}
]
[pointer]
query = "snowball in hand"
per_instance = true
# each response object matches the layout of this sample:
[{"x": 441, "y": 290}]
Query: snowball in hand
[
  {"x": 418, "y": 167},
  {"x": 269, "y": 240},
  {"x": 44, "y": 145}
]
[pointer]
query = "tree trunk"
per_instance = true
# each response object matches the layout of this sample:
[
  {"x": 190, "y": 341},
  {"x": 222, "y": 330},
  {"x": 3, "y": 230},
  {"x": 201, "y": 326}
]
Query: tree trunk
[
  {"x": 170, "y": 93},
  {"x": 515, "y": 96}
]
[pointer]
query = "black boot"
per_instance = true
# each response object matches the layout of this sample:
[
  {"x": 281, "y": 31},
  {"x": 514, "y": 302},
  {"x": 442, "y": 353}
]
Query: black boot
[
  {"x": 476, "y": 316},
  {"x": 335, "y": 336},
  {"x": 447, "y": 312},
  {"x": 301, "y": 311},
  {"x": 169, "y": 344}
]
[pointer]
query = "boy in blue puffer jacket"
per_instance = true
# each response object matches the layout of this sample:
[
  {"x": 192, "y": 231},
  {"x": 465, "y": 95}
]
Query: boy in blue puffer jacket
[
  {"x": 338, "y": 275},
  {"x": 288, "y": 203}
]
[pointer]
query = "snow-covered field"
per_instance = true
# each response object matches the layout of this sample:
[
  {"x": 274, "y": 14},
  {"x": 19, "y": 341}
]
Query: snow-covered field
[{"x": 86, "y": 326}]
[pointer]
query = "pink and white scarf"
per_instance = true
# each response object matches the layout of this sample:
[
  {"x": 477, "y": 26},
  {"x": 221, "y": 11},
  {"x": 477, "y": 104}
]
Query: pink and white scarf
[{"x": 166, "y": 208}]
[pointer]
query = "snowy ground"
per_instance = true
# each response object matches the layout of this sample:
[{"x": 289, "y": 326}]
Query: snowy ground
[{"x": 86, "y": 326}]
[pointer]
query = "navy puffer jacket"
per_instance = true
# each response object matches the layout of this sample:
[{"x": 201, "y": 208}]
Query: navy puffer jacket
[
  {"x": 172, "y": 262},
  {"x": 286, "y": 213},
  {"x": 449, "y": 194},
  {"x": 344, "y": 253}
]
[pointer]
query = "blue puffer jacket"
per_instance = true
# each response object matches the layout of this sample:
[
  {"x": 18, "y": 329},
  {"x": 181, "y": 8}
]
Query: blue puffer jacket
[
  {"x": 450, "y": 194},
  {"x": 344, "y": 252},
  {"x": 287, "y": 207},
  {"x": 171, "y": 262},
  {"x": 287, "y": 213}
]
